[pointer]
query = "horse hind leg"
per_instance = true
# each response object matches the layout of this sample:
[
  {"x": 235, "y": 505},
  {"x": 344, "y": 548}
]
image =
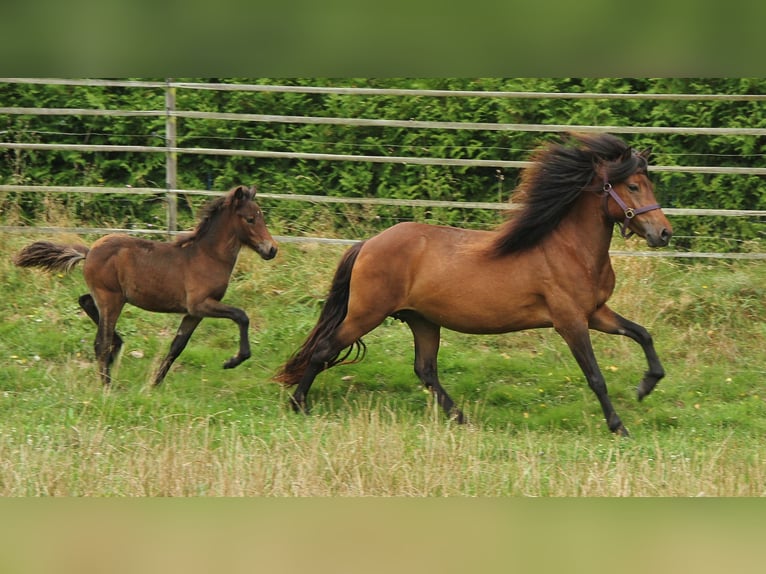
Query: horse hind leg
[
  {"x": 89, "y": 306},
  {"x": 329, "y": 351},
  {"x": 107, "y": 341},
  {"x": 323, "y": 357},
  {"x": 427, "y": 340}
]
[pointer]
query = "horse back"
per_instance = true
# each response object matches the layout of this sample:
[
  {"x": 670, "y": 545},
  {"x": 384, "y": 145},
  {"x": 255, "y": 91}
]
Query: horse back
[{"x": 148, "y": 274}]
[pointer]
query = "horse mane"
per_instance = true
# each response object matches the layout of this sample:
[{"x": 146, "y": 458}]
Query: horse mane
[
  {"x": 553, "y": 183},
  {"x": 211, "y": 210}
]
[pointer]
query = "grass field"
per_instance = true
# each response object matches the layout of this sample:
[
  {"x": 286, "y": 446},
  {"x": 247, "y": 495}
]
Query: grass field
[{"x": 535, "y": 428}]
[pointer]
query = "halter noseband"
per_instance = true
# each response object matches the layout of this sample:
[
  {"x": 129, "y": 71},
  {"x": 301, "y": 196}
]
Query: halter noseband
[{"x": 630, "y": 212}]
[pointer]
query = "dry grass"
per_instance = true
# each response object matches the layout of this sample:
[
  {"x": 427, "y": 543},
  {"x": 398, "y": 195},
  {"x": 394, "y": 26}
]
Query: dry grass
[{"x": 369, "y": 452}]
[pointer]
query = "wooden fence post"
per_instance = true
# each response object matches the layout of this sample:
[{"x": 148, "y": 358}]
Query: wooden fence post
[{"x": 171, "y": 161}]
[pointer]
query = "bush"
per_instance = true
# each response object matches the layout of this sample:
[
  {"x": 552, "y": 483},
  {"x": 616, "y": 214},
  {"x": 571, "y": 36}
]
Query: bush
[{"x": 387, "y": 180}]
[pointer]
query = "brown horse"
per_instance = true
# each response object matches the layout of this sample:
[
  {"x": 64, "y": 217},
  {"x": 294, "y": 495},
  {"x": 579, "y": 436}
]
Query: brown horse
[
  {"x": 187, "y": 276},
  {"x": 547, "y": 266}
]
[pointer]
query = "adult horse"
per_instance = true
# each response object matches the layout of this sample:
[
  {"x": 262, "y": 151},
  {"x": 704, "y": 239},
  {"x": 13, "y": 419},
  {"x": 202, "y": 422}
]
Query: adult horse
[
  {"x": 547, "y": 266},
  {"x": 187, "y": 276}
]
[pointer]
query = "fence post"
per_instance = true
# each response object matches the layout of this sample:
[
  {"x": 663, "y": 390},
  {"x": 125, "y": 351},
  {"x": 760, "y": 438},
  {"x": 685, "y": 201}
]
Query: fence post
[{"x": 171, "y": 157}]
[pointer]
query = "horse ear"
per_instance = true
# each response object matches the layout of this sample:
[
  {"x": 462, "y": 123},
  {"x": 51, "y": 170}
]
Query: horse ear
[
  {"x": 241, "y": 192},
  {"x": 645, "y": 153}
]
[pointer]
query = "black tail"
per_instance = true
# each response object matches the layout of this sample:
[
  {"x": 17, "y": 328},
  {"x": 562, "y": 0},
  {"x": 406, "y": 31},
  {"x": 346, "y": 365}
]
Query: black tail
[
  {"x": 51, "y": 256},
  {"x": 332, "y": 315}
]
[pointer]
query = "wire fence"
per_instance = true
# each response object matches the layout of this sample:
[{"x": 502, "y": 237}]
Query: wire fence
[{"x": 171, "y": 149}]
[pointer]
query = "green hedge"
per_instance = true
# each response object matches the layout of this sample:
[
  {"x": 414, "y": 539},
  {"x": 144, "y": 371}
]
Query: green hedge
[{"x": 369, "y": 179}]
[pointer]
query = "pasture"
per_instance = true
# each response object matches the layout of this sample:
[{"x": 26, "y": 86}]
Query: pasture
[{"x": 535, "y": 428}]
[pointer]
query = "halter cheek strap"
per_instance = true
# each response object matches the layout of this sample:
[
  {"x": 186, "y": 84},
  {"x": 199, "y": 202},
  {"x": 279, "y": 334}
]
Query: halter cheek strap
[{"x": 630, "y": 212}]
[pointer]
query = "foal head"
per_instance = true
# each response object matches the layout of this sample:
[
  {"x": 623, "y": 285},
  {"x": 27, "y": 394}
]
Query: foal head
[{"x": 248, "y": 223}]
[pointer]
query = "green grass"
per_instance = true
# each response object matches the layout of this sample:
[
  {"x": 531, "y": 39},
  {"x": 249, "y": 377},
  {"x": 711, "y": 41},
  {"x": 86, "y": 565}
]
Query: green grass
[{"x": 535, "y": 428}]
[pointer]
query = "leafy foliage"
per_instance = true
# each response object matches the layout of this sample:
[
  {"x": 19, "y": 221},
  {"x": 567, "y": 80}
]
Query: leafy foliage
[{"x": 364, "y": 179}]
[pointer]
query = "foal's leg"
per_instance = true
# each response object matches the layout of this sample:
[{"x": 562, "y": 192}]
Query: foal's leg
[
  {"x": 578, "y": 338},
  {"x": 89, "y": 306},
  {"x": 607, "y": 321},
  {"x": 216, "y": 309},
  {"x": 185, "y": 330},
  {"x": 427, "y": 339},
  {"x": 109, "y": 307}
]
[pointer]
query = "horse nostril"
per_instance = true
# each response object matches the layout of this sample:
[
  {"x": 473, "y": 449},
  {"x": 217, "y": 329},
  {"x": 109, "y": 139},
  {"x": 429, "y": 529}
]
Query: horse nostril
[{"x": 665, "y": 235}]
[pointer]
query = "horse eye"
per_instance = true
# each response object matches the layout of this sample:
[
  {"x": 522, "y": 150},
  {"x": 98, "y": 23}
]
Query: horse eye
[
  {"x": 633, "y": 187},
  {"x": 250, "y": 220}
]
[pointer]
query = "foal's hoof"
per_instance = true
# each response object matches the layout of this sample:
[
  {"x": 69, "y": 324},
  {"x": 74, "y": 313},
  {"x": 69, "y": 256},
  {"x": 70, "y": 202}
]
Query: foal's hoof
[
  {"x": 457, "y": 416},
  {"x": 621, "y": 431}
]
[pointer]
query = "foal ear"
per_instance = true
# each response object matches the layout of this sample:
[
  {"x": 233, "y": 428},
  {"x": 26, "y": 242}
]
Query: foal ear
[{"x": 242, "y": 193}]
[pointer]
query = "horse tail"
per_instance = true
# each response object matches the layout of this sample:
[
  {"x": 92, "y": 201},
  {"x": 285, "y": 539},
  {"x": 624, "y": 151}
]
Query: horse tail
[
  {"x": 332, "y": 315},
  {"x": 51, "y": 256}
]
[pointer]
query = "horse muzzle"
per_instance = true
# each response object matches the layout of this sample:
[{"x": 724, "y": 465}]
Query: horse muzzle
[
  {"x": 267, "y": 250},
  {"x": 659, "y": 237}
]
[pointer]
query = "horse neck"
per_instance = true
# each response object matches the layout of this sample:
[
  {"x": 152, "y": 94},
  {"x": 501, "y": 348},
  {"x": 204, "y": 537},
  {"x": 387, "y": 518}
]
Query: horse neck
[
  {"x": 588, "y": 228},
  {"x": 220, "y": 241}
]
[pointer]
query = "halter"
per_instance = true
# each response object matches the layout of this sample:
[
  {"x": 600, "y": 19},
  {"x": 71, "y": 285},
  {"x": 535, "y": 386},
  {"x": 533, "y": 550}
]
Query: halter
[{"x": 630, "y": 212}]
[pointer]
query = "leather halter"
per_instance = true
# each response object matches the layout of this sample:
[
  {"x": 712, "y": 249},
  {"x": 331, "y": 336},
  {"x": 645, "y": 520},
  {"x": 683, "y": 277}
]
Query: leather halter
[{"x": 630, "y": 212}]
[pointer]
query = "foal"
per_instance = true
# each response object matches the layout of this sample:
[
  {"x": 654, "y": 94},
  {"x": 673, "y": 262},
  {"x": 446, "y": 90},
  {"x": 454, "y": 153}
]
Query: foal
[{"x": 188, "y": 276}]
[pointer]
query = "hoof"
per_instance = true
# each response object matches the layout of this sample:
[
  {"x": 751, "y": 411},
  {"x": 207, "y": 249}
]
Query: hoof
[
  {"x": 299, "y": 407},
  {"x": 235, "y": 361},
  {"x": 647, "y": 385},
  {"x": 457, "y": 416},
  {"x": 621, "y": 431}
]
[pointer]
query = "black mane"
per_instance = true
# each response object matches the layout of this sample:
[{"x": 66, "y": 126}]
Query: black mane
[{"x": 550, "y": 187}]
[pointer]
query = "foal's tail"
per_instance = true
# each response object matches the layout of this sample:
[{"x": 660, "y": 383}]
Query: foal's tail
[
  {"x": 332, "y": 315},
  {"x": 51, "y": 256}
]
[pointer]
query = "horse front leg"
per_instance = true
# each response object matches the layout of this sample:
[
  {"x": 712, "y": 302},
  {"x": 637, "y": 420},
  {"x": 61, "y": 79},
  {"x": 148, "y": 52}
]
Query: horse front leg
[
  {"x": 578, "y": 340},
  {"x": 184, "y": 333},
  {"x": 216, "y": 309},
  {"x": 607, "y": 321}
]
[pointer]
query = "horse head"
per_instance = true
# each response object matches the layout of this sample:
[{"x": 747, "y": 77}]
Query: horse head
[
  {"x": 250, "y": 226},
  {"x": 633, "y": 206}
]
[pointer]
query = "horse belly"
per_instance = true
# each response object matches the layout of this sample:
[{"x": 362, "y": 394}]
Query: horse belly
[
  {"x": 476, "y": 299},
  {"x": 485, "y": 316},
  {"x": 154, "y": 284}
]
